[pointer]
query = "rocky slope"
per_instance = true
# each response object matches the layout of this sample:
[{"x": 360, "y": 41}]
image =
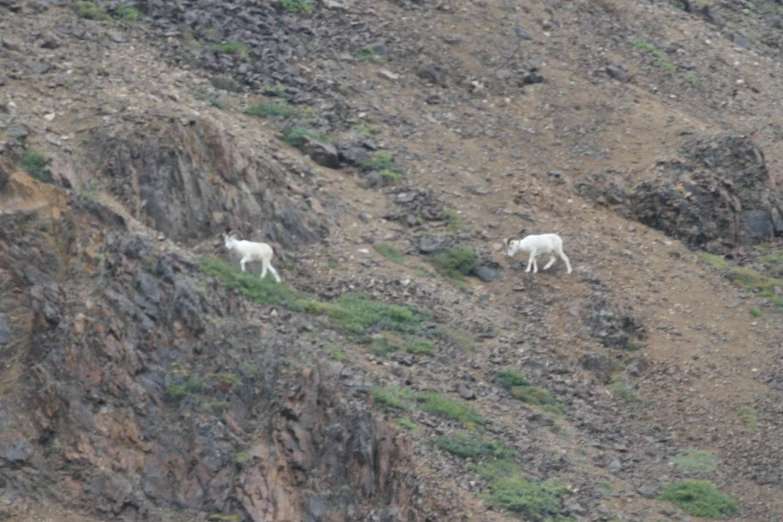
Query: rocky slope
[{"x": 144, "y": 380}]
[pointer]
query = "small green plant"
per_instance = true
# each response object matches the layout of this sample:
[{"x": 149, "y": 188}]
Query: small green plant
[
  {"x": 662, "y": 59},
  {"x": 421, "y": 347},
  {"x": 749, "y": 417},
  {"x": 296, "y": 6},
  {"x": 751, "y": 279},
  {"x": 632, "y": 346},
  {"x": 224, "y": 518},
  {"x": 472, "y": 445},
  {"x": 714, "y": 261},
  {"x": 389, "y": 177},
  {"x": 454, "y": 222},
  {"x": 406, "y": 423},
  {"x": 508, "y": 378},
  {"x": 775, "y": 298},
  {"x": 382, "y": 160},
  {"x": 538, "y": 397},
  {"x": 622, "y": 389},
  {"x": 696, "y": 460},
  {"x": 34, "y": 163},
  {"x": 382, "y": 347},
  {"x": 217, "y": 407},
  {"x": 699, "y": 498},
  {"x": 536, "y": 501},
  {"x": 461, "y": 339},
  {"x": 272, "y": 110},
  {"x": 694, "y": 79},
  {"x": 336, "y": 353},
  {"x": 234, "y": 48},
  {"x": 276, "y": 90},
  {"x": 180, "y": 391},
  {"x": 772, "y": 260},
  {"x": 296, "y": 136},
  {"x": 390, "y": 252},
  {"x": 456, "y": 262},
  {"x": 606, "y": 487},
  {"x": 756, "y": 312},
  {"x": 367, "y": 54},
  {"x": 459, "y": 411},
  {"x": 225, "y": 83},
  {"x": 90, "y": 11},
  {"x": 393, "y": 397},
  {"x": 7, "y": 390},
  {"x": 366, "y": 129},
  {"x": 357, "y": 313},
  {"x": 127, "y": 12},
  {"x": 212, "y": 99}
]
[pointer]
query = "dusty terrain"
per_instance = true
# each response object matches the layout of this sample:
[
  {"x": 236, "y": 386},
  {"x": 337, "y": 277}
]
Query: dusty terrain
[{"x": 645, "y": 133}]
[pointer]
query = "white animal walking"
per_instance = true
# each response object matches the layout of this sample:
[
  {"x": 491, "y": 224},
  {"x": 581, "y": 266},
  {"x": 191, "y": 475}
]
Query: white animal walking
[
  {"x": 538, "y": 244},
  {"x": 250, "y": 252}
]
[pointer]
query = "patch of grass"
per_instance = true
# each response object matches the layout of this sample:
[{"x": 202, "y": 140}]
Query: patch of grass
[
  {"x": 276, "y": 90},
  {"x": 696, "y": 460},
  {"x": 699, "y": 498},
  {"x": 358, "y": 313},
  {"x": 454, "y": 222},
  {"x": 366, "y": 54},
  {"x": 756, "y": 312},
  {"x": 393, "y": 397},
  {"x": 775, "y": 298},
  {"x": 295, "y": 136},
  {"x": 7, "y": 390},
  {"x": 366, "y": 129},
  {"x": 538, "y": 397},
  {"x": 217, "y": 407},
  {"x": 508, "y": 378},
  {"x": 382, "y": 160},
  {"x": 336, "y": 353},
  {"x": 225, "y": 83},
  {"x": 212, "y": 99},
  {"x": 421, "y": 347},
  {"x": 406, "y": 423},
  {"x": 127, "y": 12},
  {"x": 389, "y": 177},
  {"x": 632, "y": 346},
  {"x": 224, "y": 518},
  {"x": 459, "y": 411},
  {"x": 456, "y": 262},
  {"x": 462, "y": 339},
  {"x": 472, "y": 445},
  {"x": 752, "y": 279},
  {"x": 390, "y": 252},
  {"x": 90, "y": 11},
  {"x": 714, "y": 261},
  {"x": 662, "y": 59},
  {"x": 181, "y": 390},
  {"x": 772, "y": 260},
  {"x": 233, "y": 48},
  {"x": 34, "y": 163},
  {"x": 749, "y": 417},
  {"x": 382, "y": 347},
  {"x": 272, "y": 110},
  {"x": 296, "y": 6},
  {"x": 606, "y": 487},
  {"x": 694, "y": 79},
  {"x": 622, "y": 389}
]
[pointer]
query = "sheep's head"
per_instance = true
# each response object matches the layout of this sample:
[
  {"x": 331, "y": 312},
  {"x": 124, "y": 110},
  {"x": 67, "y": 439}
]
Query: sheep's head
[
  {"x": 511, "y": 246},
  {"x": 229, "y": 240}
]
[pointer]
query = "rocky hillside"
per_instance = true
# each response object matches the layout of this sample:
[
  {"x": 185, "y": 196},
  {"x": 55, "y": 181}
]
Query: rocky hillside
[{"x": 404, "y": 369}]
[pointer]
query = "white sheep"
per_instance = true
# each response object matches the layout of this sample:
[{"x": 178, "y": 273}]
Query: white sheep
[
  {"x": 538, "y": 244},
  {"x": 251, "y": 251}
]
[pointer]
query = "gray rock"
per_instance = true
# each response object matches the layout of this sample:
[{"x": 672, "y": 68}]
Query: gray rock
[
  {"x": 354, "y": 155},
  {"x": 486, "y": 274},
  {"x": 617, "y": 73},
  {"x": 615, "y": 466},
  {"x": 324, "y": 154},
  {"x": 637, "y": 367},
  {"x": 466, "y": 392},
  {"x": 50, "y": 41},
  {"x": 5, "y": 330},
  {"x": 647, "y": 492},
  {"x": 598, "y": 364},
  {"x": 522, "y": 33},
  {"x": 3, "y": 177},
  {"x": 430, "y": 244},
  {"x": 757, "y": 226},
  {"x": 18, "y": 130}
]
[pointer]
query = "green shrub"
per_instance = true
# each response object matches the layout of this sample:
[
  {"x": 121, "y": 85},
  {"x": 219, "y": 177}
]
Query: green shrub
[
  {"x": 296, "y": 6},
  {"x": 181, "y": 390},
  {"x": 393, "y": 396},
  {"x": 90, "y": 11},
  {"x": 453, "y": 221},
  {"x": 461, "y": 339},
  {"x": 472, "y": 445},
  {"x": 366, "y": 54},
  {"x": 623, "y": 389},
  {"x": 508, "y": 378},
  {"x": 295, "y": 136},
  {"x": 34, "y": 163},
  {"x": 748, "y": 278},
  {"x": 234, "y": 48},
  {"x": 535, "y": 501},
  {"x": 390, "y": 252},
  {"x": 127, "y": 12},
  {"x": 421, "y": 347},
  {"x": 357, "y": 313},
  {"x": 538, "y": 397},
  {"x": 381, "y": 160},
  {"x": 756, "y": 312},
  {"x": 212, "y": 99},
  {"x": 436, "y": 403},
  {"x": 456, "y": 262},
  {"x": 406, "y": 423},
  {"x": 696, "y": 460},
  {"x": 699, "y": 498},
  {"x": 382, "y": 347},
  {"x": 749, "y": 417},
  {"x": 272, "y": 110}
]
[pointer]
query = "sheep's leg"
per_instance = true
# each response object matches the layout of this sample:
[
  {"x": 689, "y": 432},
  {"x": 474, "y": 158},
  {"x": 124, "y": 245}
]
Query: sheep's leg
[
  {"x": 564, "y": 258},
  {"x": 551, "y": 261},
  {"x": 532, "y": 261},
  {"x": 242, "y": 263},
  {"x": 272, "y": 269},
  {"x": 263, "y": 269}
]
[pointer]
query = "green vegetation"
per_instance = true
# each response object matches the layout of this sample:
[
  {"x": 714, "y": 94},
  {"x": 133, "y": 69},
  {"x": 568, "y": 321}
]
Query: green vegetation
[
  {"x": 455, "y": 263},
  {"x": 662, "y": 59},
  {"x": 772, "y": 260},
  {"x": 276, "y": 90},
  {"x": 272, "y": 110},
  {"x": 336, "y": 353},
  {"x": 34, "y": 163},
  {"x": 90, "y": 11},
  {"x": 775, "y": 298},
  {"x": 714, "y": 261},
  {"x": 421, "y": 347},
  {"x": 358, "y": 313},
  {"x": 406, "y": 423},
  {"x": 622, "y": 389},
  {"x": 694, "y": 79},
  {"x": 233, "y": 47},
  {"x": 390, "y": 252},
  {"x": 127, "y": 12},
  {"x": 225, "y": 83},
  {"x": 756, "y": 312},
  {"x": 382, "y": 160},
  {"x": 217, "y": 407},
  {"x": 538, "y": 397},
  {"x": 366, "y": 129},
  {"x": 437, "y": 403},
  {"x": 508, "y": 378},
  {"x": 212, "y": 99},
  {"x": 454, "y": 222},
  {"x": 296, "y": 6},
  {"x": 393, "y": 397},
  {"x": 461, "y": 339},
  {"x": 181, "y": 390},
  {"x": 382, "y": 347},
  {"x": 472, "y": 445},
  {"x": 224, "y": 518},
  {"x": 7, "y": 390},
  {"x": 388, "y": 176},
  {"x": 367, "y": 54},
  {"x": 295, "y": 136},
  {"x": 696, "y": 460},
  {"x": 751, "y": 279},
  {"x": 749, "y": 417},
  {"x": 632, "y": 346},
  {"x": 264, "y": 291},
  {"x": 699, "y": 498}
]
